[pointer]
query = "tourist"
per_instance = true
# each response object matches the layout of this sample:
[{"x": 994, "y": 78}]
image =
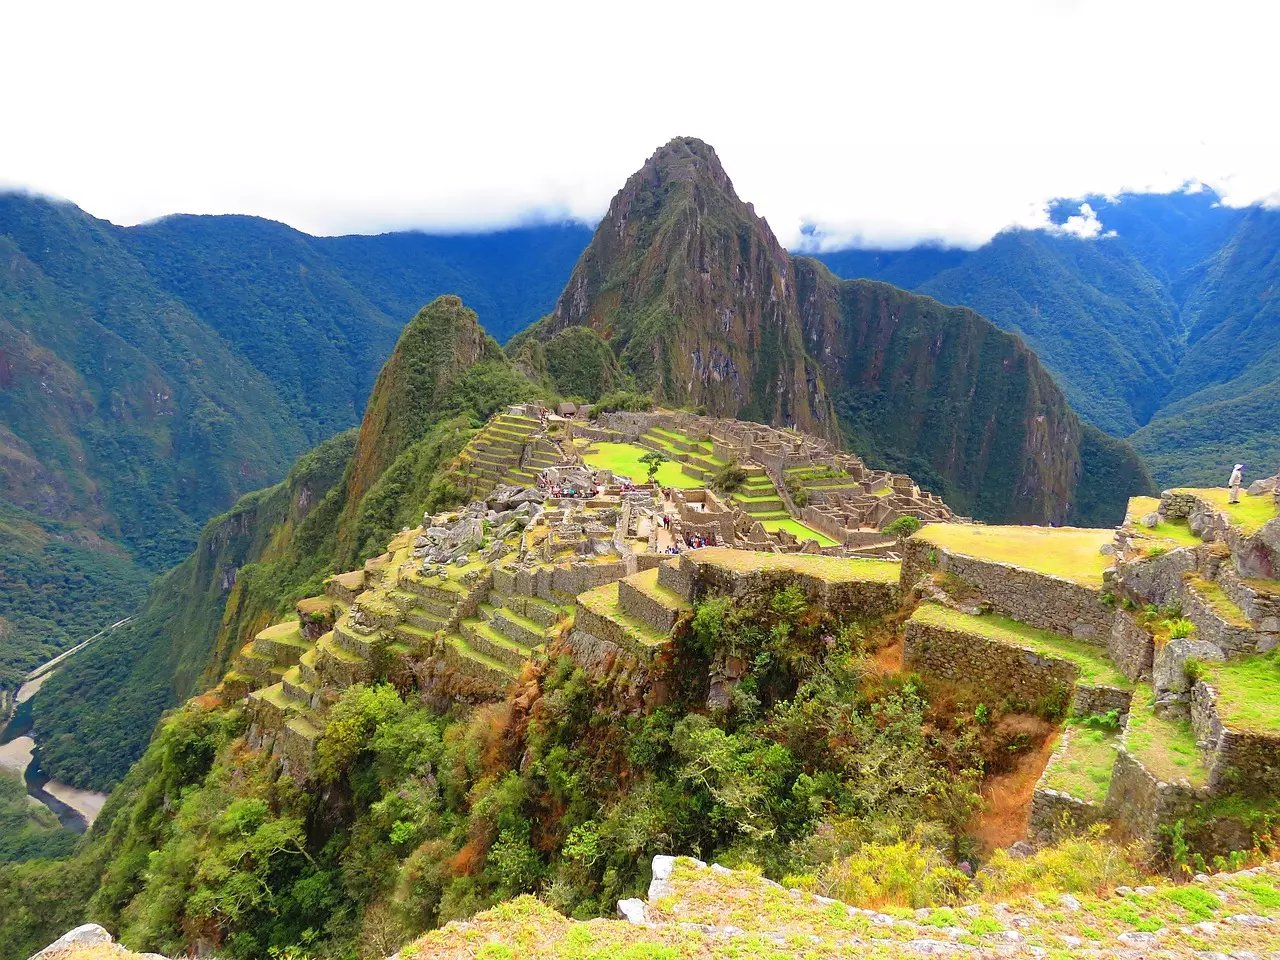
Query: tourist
[{"x": 1237, "y": 477}]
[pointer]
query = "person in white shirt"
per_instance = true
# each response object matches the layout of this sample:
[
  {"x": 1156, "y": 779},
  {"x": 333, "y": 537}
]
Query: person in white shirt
[{"x": 1237, "y": 477}]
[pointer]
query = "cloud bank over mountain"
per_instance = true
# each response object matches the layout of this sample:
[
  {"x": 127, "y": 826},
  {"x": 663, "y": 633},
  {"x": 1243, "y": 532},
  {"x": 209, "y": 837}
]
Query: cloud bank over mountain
[{"x": 884, "y": 127}]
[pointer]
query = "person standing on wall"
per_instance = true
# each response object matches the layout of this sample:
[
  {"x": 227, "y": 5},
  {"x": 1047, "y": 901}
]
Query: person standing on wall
[{"x": 1237, "y": 477}]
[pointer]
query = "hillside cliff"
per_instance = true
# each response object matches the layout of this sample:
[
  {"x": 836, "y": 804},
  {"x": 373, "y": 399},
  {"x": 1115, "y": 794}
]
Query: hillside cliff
[{"x": 704, "y": 308}]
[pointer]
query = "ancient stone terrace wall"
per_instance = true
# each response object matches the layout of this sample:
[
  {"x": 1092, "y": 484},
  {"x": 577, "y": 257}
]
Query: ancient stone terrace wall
[
  {"x": 1238, "y": 760},
  {"x": 987, "y": 664},
  {"x": 1037, "y": 599},
  {"x": 1055, "y": 814},
  {"x": 1158, "y": 580},
  {"x": 1142, "y": 803},
  {"x": 553, "y": 582},
  {"x": 1130, "y": 646},
  {"x": 701, "y": 573}
]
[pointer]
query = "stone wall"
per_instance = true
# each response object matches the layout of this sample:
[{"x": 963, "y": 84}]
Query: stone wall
[
  {"x": 1038, "y": 599},
  {"x": 976, "y": 661},
  {"x": 860, "y": 599},
  {"x": 1142, "y": 803},
  {"x": 1157, "y": 580},
  {"x": 1232, "y": 639},
  {"x": 1238, "y": 760},
  {"x": 1258, "y": 604},
  {"x": 1055, "y": 814},
  {"x": 635, "y": 677},
  {"x": 1130, "y": 646},
  {"x": 1097, "y": 700},
  {"x": 639, "y": 604}
]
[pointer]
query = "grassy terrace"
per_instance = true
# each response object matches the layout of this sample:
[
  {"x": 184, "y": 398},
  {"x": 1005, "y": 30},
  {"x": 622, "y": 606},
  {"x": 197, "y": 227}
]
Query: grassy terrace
[
  {"x": 624, "y": 459},
  {"x": 798, "y": 529},
  {"x": 603, "y": 601},
  {"x": 1071, "y": 553},
  {"x": 647, "y": 583},
  {"x": 1167, "y": 748},
  {"x": 1095, "y": 667},
  {"x": 1248, "y": 692},
  {"x": 1084, "y": 768},
  {"x": 460, "y": 644},
  {"x": 287, "y": 632},
  {"x": 1222, "y": 605},
  {"x": 833, "y": 569},
  {"x": 1250, "y": 514}
]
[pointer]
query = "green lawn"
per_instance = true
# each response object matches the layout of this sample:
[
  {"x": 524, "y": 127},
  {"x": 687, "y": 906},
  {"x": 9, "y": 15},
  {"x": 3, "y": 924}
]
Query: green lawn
[
  {"x": 1248, "y": 692},
  {"x": 1251, "y": 513},
  {"x": 798, "y": 529},
  {"x": 1083, "y": 769},
  {"x": 1167, "y": 748},
  {"x": 833, "y": 569},
  {"x": 1068, "y": 552},
  {"x": 1095, "y": 666},
  {"x": 624, "y": 459}
]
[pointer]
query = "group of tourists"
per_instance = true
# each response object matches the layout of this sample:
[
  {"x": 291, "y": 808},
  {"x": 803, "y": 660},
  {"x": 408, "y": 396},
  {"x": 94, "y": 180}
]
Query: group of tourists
[{"x": 695, "y": 541}]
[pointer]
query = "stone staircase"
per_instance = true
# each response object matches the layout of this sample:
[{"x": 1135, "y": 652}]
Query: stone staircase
[{"x": 506, "y": 451}]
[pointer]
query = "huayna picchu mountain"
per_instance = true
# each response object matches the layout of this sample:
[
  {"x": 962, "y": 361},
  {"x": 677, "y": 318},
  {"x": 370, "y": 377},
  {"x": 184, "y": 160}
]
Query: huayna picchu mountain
[{"x": 703, "y": 307}]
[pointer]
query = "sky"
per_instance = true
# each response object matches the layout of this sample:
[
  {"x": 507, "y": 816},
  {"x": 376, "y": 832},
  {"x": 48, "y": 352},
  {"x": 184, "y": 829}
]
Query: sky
[{"x": 846, "y": 124}]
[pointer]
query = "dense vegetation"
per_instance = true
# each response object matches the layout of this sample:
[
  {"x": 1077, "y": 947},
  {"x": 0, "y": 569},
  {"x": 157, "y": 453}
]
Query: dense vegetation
[
  {"x": 28, "y": 831},
  {"x": 576, "y": 363},
  {"x": 1164, "y": 330},
  {"x": 56, "y": 591},
  {"x": 421, "y": 817}
]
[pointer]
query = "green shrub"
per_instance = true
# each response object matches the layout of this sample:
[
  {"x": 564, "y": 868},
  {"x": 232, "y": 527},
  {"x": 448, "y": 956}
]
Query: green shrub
[
  {"x": 1180, "y": 628},
  {"x": 730, "y": 478}
]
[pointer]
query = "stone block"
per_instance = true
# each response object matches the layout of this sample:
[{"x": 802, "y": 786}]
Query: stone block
[{"x": 1130, "y": 646}]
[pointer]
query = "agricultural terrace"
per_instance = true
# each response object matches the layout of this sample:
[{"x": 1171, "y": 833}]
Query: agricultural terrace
[
  {"x": 1094, "y": 664},
  {"x": 1071, "y": 553},
  {"x": 831, "y": 569},
  {"x": 799, "y": 530},
  {"x": 1248, "y": 692},
  {"x": 624, "y": 459},
  {"x": 1250, "y": 514}
]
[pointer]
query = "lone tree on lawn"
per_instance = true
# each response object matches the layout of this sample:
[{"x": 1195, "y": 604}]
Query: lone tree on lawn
[{"x": 653, "y": 461}]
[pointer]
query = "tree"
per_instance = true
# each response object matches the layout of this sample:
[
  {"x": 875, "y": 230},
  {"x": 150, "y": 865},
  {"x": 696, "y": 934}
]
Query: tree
[{"x": 653, "y": 461}]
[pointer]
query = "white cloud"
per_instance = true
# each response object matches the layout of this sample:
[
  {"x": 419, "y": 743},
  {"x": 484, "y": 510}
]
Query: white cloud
[{"x": 885, "y": 123}]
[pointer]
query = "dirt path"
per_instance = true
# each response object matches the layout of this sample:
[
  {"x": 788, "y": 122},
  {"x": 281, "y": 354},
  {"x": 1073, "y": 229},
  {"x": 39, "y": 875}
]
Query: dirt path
[{"x": 1006, "y": 815}]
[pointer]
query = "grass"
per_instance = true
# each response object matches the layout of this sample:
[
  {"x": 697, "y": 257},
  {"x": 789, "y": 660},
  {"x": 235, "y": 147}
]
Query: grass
[
  {"x": 603, "y": 601},
  {"x": 624, "y": 460},
  {"x": 1175, "y": 531},
  {"x": 1071, "y": 553},
  {"x": 1250, "y": 514},
  {"x": 471, "y": 653},
  {"x": 1248, "y": 692},
  {"x": 833, "y": 569},
  {"x": 1140, "y": 507},
  {"x": 798, "y": 529},
  {"x": 1221, "y": 604},
  {"x": 1167, "y": 748},
  {"x": 1083, "y": 769},
  {"x": 1094, "y": 666},
  {"x": 647, "y": 583}
]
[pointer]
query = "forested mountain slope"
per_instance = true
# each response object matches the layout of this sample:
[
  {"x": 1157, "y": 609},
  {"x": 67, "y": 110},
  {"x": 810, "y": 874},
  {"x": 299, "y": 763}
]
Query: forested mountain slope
[
  {"x": 151, "y": 375},
  {"x": 1164, "y": 327},
  {"x": 339, "y": 504}
]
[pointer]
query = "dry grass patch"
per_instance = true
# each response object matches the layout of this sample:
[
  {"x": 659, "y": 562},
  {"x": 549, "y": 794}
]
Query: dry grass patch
[{"x": 1071, "y": 553}]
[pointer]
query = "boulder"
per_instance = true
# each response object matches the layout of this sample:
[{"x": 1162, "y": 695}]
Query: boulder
[
  {"x": 1259, "y": 487},
  {"x": 87, "y": 935},
  {"x": 1169, "y": 674},
  {"x": 1150, "y": 520},
  {"x": 633, "y": 911},
  {"x": 660, "y": 886}
]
